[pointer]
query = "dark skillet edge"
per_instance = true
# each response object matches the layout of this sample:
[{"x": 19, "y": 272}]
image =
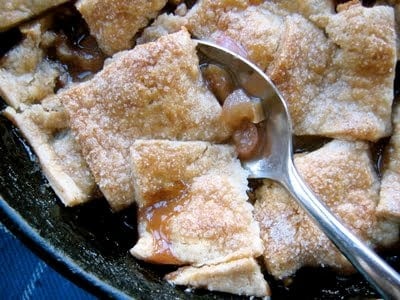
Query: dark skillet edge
[{"x": 62, "y": 264}]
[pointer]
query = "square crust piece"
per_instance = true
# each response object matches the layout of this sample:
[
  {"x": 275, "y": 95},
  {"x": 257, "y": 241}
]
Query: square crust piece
[
  {"x": 46, "y": 129},
  {"x": 335, "y": 70},
  {"x": 115, "y": 23},
  {"x": 193, "y": 205},
  {"x": 13, "y": 12},
  {"x": 153, "y": 91},
  {"x": 342, "y": 175},
  {"x": 240, "y": 277},
  {"x": 389, "y": 205}
]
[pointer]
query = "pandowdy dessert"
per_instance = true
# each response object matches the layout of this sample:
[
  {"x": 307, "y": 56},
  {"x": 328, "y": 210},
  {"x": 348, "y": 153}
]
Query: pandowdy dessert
[
  {"x": 194, "y": 210},
  {"x": 325, "y": 64},
  {"x": 153, "y": 91},
  {"x": 117, "y": 106}
]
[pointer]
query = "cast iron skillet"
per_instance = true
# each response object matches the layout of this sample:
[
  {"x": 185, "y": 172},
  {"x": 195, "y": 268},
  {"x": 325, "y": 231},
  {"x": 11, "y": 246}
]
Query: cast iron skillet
[{"x": 89, "y": 244}]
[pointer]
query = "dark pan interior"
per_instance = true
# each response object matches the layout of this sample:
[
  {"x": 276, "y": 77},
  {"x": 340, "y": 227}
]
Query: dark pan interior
[{"x": 90, "y": 245}]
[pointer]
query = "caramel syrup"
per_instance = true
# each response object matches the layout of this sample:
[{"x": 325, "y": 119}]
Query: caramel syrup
[
  {"x": 166, "y": 204},
  {"x": 74, "y": 47}
]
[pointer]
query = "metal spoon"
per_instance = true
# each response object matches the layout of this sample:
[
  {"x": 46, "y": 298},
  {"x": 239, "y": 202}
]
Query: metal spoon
[{"x": 276, "y": 162}]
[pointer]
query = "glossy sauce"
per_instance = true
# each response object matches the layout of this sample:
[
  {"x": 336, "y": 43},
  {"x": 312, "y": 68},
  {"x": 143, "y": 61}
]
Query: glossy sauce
[
  {"x": 74, "y": 47},
  {"x": 81, "y": 62},
  {"x": 164, "y": 205}
]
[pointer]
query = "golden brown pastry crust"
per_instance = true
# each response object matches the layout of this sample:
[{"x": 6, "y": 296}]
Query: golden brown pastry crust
[
  {"x": 161, "y": 165},
  {"x": 13, "y": 12},
  {"x": 164, "y": 24},
  {"x": 240, "y": 277},
  {"x": 28, "y": 85},
  {"x": 335, "y": 70},
  {"x": 202, "y": 187},
  {"x": 396, "y": 6},
  {"x": 31, "y": 79},
  {"x": 256, "y": 29},
  {"x": 331, "y": 84},
  {"x": 59, "y": 155},
  {"x": 153, "y": 91},
  {"x": 292, "y": 240},
  {"x": 306, "y": 8},
  {"x": 389, "y": 205},
  {"x": 365, "y": 62},
  {"x": 115, "y": 23},
  {"x": 303, "y": 56}
]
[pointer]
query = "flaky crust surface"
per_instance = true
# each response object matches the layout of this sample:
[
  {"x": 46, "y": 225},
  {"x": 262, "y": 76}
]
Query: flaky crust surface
[
  {"x": 13, "y": 12},
  {"x": 389, "y": 205},
  {"x": 292, "y": 240},
  {"x": 206, "y": 218},
  {"x": 306, "y": 8},
  {"x": 335, "y": 70},
  {"x": 31, "y": 79},
  {"x": 115, "y": 23},
  {"x": 359, "y": 84},
  {"x": 241, "y": 277},
  {"x": 341, "y": 85},
  {"x": 153, "y": 91},
  {"x": 161, "y": 166},
  {"x": 255, "y": 29},
  {"x": 59, "y": 155}
]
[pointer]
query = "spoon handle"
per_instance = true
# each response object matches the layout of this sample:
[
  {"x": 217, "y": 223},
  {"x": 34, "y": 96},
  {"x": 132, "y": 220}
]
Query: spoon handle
[{"x": 379, "y": 274}]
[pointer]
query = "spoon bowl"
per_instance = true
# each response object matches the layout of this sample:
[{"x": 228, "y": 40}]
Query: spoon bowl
[{"x": 275, "y": 161}]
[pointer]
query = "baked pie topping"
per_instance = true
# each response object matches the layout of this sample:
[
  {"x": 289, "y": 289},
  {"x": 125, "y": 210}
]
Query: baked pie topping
[
  {"x": 389, "y": 204},
  {"x": 292, "y": 240},
  {"x": 242, "y": 277},
  {"x": 115, "y": 23},
  {"x": 47, "y": 130},
  {"x": 13, "y": 12},
  {"x": 154, "y": 128},
  {"x": 153, "y": 91},
  {"x": 323, "y": 62},
  {"x": 29, "y": 80},
  {"x": 195, "y": 193}
]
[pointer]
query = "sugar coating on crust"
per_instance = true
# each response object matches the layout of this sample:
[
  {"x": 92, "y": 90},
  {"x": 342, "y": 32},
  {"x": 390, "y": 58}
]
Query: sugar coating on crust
[
  {"x": 306, "y": 8},
  {"x": 357, "y": 92},
  {"x": 193, "y": 196},
  {"x": 28, "y": 80},
  {"x": 335, "y": 70},
  {"x": 153, "y": 91},
  {"x": 13, "y": 12},
  {"x": 115, "y": 23},
  {"x": 389, "y": 205},
  {"x": 303, "y": 56},
  {"x": 46, "y": 128},
  {"x": 158, "y": 166},
  {"x": 255, "y": 29},
  {"x": 164, "y": 24},
  {"x": 292, "y": 240},
  {"x": 240, "y": 277}
]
